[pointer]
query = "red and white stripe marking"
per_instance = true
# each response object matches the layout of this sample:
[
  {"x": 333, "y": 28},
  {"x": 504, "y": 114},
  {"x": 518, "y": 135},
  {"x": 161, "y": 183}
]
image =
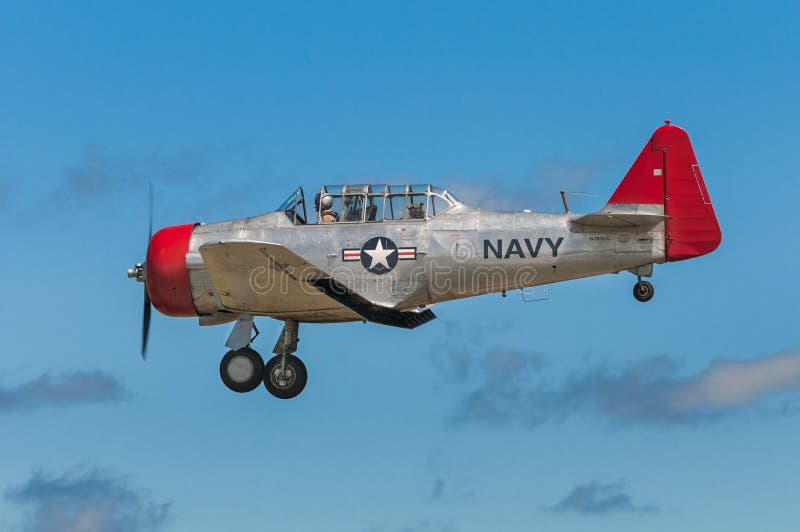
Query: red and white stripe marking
[
  {"x": 351, "y": 254},
  {"x": 407, "y": 253}
]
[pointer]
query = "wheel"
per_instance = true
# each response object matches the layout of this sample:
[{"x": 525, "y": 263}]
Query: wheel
[
  {"x": 288, "y": 383},
  {"x": 242, "y": 370},
  {"x": 643, "y": 291}
]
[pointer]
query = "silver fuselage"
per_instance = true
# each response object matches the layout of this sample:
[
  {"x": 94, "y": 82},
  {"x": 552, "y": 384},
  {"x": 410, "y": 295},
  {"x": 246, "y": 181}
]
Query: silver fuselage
[{"x": 461, "y": 253}]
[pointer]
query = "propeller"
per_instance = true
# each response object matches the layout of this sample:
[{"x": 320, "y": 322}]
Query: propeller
[
  {"x": 148, "y": 306},
  {"x": 146, "y": 322},
  {"x": 138, "y": 272}
]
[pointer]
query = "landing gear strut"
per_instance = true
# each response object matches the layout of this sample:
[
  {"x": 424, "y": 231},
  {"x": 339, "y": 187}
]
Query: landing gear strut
[
  {"x": 285, "y": 375},
  {"x": 643, "y": 290},
  {"x": 242, "y": 369}
]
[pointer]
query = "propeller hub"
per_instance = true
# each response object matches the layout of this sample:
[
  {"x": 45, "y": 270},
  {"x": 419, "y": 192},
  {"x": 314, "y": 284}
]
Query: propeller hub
[{"x": 137, "y": 272}]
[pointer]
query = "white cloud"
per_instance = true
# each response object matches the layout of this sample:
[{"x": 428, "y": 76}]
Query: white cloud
[
  {"x": 727, "y": 384},
  {"x": 650, "y": 391}
]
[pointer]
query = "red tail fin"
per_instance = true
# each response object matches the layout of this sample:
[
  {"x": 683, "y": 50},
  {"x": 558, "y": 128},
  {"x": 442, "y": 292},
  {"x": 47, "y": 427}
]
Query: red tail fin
[{"x": 666, "y": 174}]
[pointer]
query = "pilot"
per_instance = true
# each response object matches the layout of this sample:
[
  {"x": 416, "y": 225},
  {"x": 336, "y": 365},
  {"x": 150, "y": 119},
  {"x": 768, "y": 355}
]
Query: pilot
[{"x": 326, "y": 215}]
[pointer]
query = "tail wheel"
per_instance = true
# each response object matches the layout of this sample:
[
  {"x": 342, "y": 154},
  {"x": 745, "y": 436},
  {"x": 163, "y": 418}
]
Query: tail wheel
[
  {"x": 643, "y": 291},
  {"x": 242, "y": 370},
  {"x": 286, "y": 379}
]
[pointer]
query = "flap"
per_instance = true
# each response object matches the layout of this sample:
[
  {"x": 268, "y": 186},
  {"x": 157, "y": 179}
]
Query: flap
[{"x": 372, "y": 312}]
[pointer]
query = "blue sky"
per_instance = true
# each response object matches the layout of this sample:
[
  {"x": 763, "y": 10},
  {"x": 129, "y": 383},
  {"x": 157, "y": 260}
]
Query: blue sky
[{"x": 226, "y": 110}]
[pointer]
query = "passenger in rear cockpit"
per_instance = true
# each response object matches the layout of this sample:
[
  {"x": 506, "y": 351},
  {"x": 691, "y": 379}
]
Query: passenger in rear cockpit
[
  {"x": 353, "y": 209},
  {"x": 416, "y": 211}
]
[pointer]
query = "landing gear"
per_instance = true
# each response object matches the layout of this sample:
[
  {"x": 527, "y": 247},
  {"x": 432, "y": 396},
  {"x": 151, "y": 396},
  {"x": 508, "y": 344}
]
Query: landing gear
[
  {"x": 643, "y": 291},
  {"x": 285, "y": 376},
  {"x": 242, "y": 370}
]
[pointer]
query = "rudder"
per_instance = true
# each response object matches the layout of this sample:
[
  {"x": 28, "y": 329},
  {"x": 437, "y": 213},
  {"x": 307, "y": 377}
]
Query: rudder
[{"x": 666, "y": 176}]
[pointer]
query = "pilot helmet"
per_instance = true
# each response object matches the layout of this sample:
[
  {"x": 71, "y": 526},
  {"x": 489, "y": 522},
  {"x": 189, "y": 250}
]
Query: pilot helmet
[{"x": 326, "y": 202}]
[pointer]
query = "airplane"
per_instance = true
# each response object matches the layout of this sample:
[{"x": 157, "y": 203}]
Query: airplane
[{"x": 387, "y": 253}]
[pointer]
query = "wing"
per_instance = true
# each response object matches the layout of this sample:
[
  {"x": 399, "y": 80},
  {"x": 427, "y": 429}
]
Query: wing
[{"x": 269, "y": 279}]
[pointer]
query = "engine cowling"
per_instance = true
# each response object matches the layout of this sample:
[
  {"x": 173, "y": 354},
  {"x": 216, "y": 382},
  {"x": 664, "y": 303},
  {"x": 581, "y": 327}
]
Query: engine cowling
[{"x": 166, "y": 275}]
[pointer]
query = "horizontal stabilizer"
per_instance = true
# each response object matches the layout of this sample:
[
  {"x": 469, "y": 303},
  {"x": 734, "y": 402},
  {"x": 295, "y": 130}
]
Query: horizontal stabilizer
[{"x": 619, "y": 219}]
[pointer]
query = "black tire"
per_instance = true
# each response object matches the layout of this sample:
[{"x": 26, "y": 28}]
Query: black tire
[
  {"x": 293, "y": 384},
  {"x": 643, "y": 291},
  {"x": 242, "y": 370}
]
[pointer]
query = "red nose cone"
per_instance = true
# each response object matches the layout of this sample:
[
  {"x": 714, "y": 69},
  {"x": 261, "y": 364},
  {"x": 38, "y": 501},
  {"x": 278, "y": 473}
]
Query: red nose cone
[{"x": 167, "y": 277}]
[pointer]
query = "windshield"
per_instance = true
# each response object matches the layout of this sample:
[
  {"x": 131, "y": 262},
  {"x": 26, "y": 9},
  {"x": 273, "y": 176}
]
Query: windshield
[{"x": 295, "y": 207}]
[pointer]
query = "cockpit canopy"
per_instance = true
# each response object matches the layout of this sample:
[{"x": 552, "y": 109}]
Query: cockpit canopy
[
  {"x": 371, "y": 203},
  {"x": 295, "y": 207},
  {"x": 377, "y": 203}
]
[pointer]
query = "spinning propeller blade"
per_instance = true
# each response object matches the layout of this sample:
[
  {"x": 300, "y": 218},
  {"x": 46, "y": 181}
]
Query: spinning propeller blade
[
  {"x": 148, "y": 306},
  {"x": 145, "y": 323}
]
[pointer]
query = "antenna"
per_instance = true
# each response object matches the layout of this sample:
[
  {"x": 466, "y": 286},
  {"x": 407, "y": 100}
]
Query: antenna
[
  {"x": 489, "y": 192},
  {"x": 564, "y": 197},
  {"x": 564, "y": 201}
]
